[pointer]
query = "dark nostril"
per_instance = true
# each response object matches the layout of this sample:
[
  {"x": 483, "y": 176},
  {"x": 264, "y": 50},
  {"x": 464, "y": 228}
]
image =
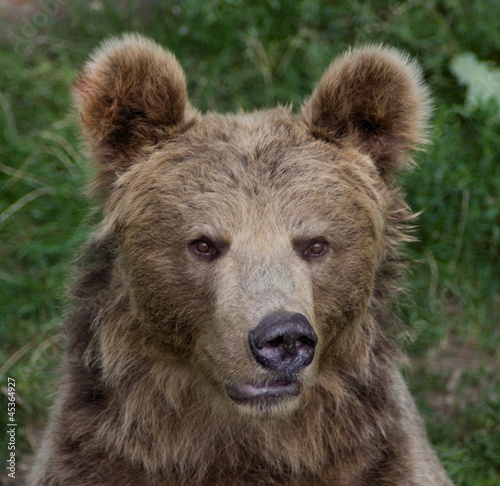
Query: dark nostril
[
  {"x": 283, "y": 342},
  {"x": 307, "y": 341},
  {"x": 276, "y": 342}
]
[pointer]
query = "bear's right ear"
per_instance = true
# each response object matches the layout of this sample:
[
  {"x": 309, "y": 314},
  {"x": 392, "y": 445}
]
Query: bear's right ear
[
  {"x": 372, "y": 99},
  {"x": 131, "y": 95}
]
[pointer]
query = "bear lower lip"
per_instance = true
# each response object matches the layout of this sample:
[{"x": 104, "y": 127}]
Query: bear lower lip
[{"x": 243, "y": 392}]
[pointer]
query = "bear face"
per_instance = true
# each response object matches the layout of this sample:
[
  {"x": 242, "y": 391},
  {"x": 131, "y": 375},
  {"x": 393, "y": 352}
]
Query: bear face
[
  {"x": 264, "y": 217},
  {"x": 249, "y": 244}
]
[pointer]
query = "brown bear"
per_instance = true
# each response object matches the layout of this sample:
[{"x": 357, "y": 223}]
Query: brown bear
[{"x": 231, "y": 321}]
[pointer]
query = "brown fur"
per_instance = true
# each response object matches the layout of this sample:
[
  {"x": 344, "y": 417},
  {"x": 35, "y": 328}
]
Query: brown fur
[{"x": 158, "y": 332}]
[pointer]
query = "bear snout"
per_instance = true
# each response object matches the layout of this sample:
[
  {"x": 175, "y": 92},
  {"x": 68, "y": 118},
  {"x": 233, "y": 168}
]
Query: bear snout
[{"x": 283, "y": 342}]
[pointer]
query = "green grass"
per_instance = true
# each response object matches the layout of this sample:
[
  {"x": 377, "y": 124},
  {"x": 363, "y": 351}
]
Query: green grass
[{"x": 241, "y": 56}]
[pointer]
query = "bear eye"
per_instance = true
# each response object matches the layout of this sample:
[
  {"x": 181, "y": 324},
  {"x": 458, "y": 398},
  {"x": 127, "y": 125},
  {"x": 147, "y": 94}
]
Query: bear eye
[
  {"x": 316, "y": 248},
  {"x": 204, "y": 247}
]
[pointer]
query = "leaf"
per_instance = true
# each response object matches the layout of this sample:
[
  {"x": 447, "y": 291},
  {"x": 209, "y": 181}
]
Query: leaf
[{"x": 481, "y": 78}]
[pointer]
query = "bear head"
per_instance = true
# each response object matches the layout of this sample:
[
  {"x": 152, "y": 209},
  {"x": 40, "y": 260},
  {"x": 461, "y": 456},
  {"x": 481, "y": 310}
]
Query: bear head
[{"x": 256, "y": 250}]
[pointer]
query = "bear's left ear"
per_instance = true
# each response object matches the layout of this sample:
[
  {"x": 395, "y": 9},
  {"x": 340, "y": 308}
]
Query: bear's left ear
[
  {"x": 131, "y": 95},
  {"x": 372, "y": 99}
]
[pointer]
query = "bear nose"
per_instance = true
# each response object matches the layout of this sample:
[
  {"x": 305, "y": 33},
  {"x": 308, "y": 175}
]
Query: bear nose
[{"x": 283, "y": 342}]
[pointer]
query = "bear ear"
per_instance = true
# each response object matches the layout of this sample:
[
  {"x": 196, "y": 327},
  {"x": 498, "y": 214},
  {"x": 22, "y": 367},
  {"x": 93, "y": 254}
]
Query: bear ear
[
  {"x": 130, "y": 95},
  {"x": 373, "y": 99}
]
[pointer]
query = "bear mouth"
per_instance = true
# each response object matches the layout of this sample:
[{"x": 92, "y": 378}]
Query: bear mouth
[{"x": 248, "y": 392}]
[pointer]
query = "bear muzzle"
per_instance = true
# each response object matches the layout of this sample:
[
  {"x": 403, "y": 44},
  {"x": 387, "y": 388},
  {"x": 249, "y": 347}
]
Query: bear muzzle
[{"x": 282, "y": 343}]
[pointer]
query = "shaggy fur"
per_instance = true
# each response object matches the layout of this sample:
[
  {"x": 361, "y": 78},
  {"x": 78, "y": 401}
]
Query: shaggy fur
[{"x": 159, "y": 330}]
